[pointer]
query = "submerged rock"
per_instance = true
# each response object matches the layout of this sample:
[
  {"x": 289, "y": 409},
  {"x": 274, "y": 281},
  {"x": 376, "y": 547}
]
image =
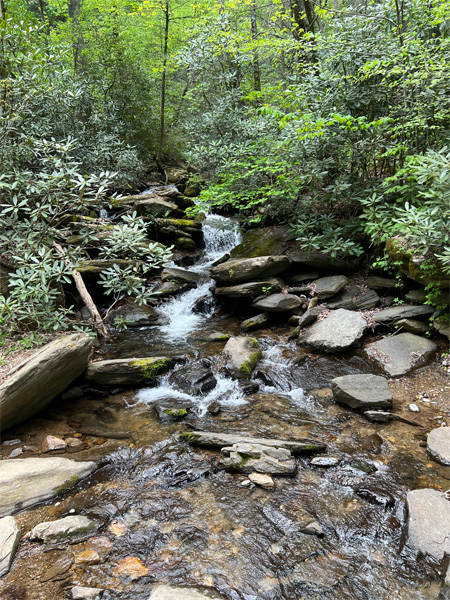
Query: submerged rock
[
  {"x": 325, "y": 287},
  {"x": 169, "y": 592},
  {"x": 127, "y": 371},
  {"x": 402, "y": 353},
  {"x": 249, "y": 269},
  {"x": 256, "y": 322},
  {"x": 172, "y": 409},
  {"x": 339, "y": 331},
  {"x": 438, "y": 445},
  {"x": 9, "y": 541},
  {"x": 26, "y": 481},
  {"x": 429, "y": 522},
  {"x": 278, "y": 303},
  {"x": 40, "y": 378},
  {"x": 362, "y": 391},
  {"x": 68, "y": 529},
  {"x": 241, "y": 354}
]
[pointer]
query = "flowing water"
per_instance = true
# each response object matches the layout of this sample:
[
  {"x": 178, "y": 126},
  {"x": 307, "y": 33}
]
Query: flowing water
[{"x": 190, "y": 523}]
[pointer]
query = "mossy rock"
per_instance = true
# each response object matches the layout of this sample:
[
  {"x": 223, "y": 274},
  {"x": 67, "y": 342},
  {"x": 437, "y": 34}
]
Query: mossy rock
[
  {"x": 127, "y": 371},
  {"x": 415, "y": 266},
  {"x": 266, "y": 241}
]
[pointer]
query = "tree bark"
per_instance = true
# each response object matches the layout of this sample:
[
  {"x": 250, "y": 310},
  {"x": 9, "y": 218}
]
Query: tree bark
[
  {"x": 164, "y": 80},
  {"x": 256, "y": 69}
]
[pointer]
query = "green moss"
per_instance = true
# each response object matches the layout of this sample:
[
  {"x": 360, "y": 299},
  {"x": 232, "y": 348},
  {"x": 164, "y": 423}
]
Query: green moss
[
  {"x": 189, "y": 437},
  {"x": 67, "y": 484},
  {"x": 247, "y": 367},
  {"x": 176, "y": 413},
  {"x": 151, "y": 367}
]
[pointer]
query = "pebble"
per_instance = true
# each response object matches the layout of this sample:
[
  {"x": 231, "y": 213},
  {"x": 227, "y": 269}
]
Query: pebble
[
  {"x": 131, "y": 567},
  {"x": 264, "y": 481},
  {"x": 246, "y": 483},
  {"x": 117, "y": 528},
  {"x": 16, "y": 452},
  {"x": 414, "y": 408},
  {"x": 73, "y": 442},
  {"x": 51, "y": 442}
]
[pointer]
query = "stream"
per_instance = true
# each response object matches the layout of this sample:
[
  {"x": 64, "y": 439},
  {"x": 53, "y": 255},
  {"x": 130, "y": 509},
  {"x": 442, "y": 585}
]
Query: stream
[{"x": 189, "y": 522}]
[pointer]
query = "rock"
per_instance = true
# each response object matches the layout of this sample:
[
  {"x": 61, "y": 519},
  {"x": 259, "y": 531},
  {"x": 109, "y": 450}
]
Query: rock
[
  {"x": 410, "y": 263},
  {"x": 88, "y": 557},
  {"x": 91, "y": 269},
  {"x": 325, "y": 461},
  {"x": 416, "y": 296},
  {"x": 278, "y": 303},
  {"x": 339, "y": 331},
  {"x": 325, "y": 287},
  {"x": 312, "y": 528},
  {"x": 133, "y": 314},
  {"x": 241, "y": 462},
  {"x": 52, "y": 442},
  {"x": 438, "y": 445},
  {"x": 429, "y": 522},
  {"x": 241, "y": 354},
  {"x": 404, "y": 311},
  {"x": 323, "y": 262},
  {"x": 263, "y": 241},
  {"x": 362, "y": 391},
  {"x": 68, "y": 529},
  {"x": 154, "y": 206},
  {"x": 354, "y": 298},
  {"x": 9, "y": 541},
  {"x": 169, "y": 592},
  {"x": 310, "y": 316},
  {"x": 376, "y": 492},
  {"x": 26, "y": 481},
  {"x": 249, "y": 269},
  {"x": 378, "y": 416},
  {"x": 194, "y": 378},
  {"x": 40, "y": 378},
  {"x": 214, "y": 408},
  {"x": 443, "y": 327},
  {"x": 59, "y": 570},
  {"x": 414, "y": 408},
  {"x": 185, "y": 243},
  {"x": 401, "y": 354},
  {"x": 86, "y": 593},
  {"x": 176, "y": 174},
  {"x": 256, "y": 322},
  {"x": 251, "y": 289},
  {"x": 74, "y": 393},
  {"x": 264, "y": 481},
  {"x": 180, "y": 276},
  {"x": 375, "y": 283},
  {"x": 131, "y": 567},
  {"x": 322, "y": 576},
  {"x": 411, "y": 325},
  {"x": 211, "y": 439},
  {"x": 302, "y": 276},
  {"x": 171, "y": 288},
  {"x": 127, "y": 371},
  {"x": 172, "y": 409}
]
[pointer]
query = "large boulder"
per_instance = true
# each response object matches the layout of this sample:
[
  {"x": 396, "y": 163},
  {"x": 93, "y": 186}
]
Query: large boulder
[
  {"x": 257, "y": 458},
  {"x": 354, "y": 298},
  {"x": 180, "y": 276},
  {"x": 241, "y": 354},
  {"x": 27, "y": 481},
  {"x": 438, "y": 445},
  {"x": 9, "y": 540},
  {"x": 325, "y": 262},
  {"x": 133, "y": 314},
  {"x": 402, "y": 353},
  {"x": 429, "y": 523},
  {"x": 342, "y": 329},
  {"x": 40, "y": 378},
  {"x": 278, "y": 303},
  {"x": 263, "y": 241},
  {"x": 325, "y": 287},
  {"x": 236, "y": 271},
  {"x": 410, "y": 263},
  {"x": 127, "y": 371},
  {"x": 251, "y": 289},
  {"x": 362, "y": 391},
  {"x": 404, "y": 311},
  {"x": 73, "y": 527}
]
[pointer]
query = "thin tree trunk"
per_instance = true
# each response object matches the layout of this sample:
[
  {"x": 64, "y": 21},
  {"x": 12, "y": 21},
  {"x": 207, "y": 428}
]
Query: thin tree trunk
[
  {"x": 164, "y": 81},
  {"x": 2, "y": 10},
  {"x": 256, "y": 69}
]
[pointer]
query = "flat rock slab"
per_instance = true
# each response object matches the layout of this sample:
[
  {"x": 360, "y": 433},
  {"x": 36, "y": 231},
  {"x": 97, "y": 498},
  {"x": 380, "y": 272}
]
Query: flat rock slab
[
  {"x": 127, "y": 371},
  {"x": 249, "y": 269},
  {"x": 405, "y": 311},
  {"x": 339, "y": 331},
  {"x": 133, "y": 315},
  {"x": 42, "y": 377},
  {"x": 411, "y": 325},
  {"x": 211, "y": 439},
  {"x": 264, "y": 481},
  {"x": 154, "y": 206},
  {"x": 354, "y": 298},
  {"x": 68, "y": 529},
  {"x": 362, "y": 391},
  {"x": 256, "y": 322},
  {"x": 378, "y": 416},
  {"x": 26, "y": 481},
  {"x": 251, "y": 289},
  {"x": 438, "y": 445},
  {"x": 402, "y": 353},
  {"x": 429, "y": 522},
  {"x": 278, "y": 303},
  {"x": 170, "y": 592},
  {"x": 9, "y": 540},
  {"x": 180, "y": 276},
  {"x": 241, "y": 354},
  {"x": 256, "y": 458},
  {"x": 325, "y": 287}
]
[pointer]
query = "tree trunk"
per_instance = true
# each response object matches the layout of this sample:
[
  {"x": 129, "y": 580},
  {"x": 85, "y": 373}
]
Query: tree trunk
[
  {"x": 164, "y": 81},
  {"x": 256, "y": 69}
]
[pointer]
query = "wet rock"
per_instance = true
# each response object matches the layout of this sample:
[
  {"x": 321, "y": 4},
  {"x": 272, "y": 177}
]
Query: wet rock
[
  {"x": 211, "y": 439},
  {"x": 362, "y": 391},
  {"x": 131, "y": 567},
  {"x": 256, "y": 322},
  {"x": 241, "y": 355},
  {"x": 411, "y": 325},
  {"x": 169, "y": 592},
  {"x": 354, "y": 298},
  {"x": 320, "y": 575},
  {"x": 325, "y": 461},
  {"x": 250, "y": 458},
  {"x": 40, "y": 378},
  {"x": 180, "y": 276},
  {"x": 26, "y": 481},
  {"x": 339, "y": 331},
  {"x": 59, "y": 570},
  {"x": 194, "y": 378},
  {"x": 251, "y": 289},
  {"x": 133, "y": 315},
  {"x": 438, "y": 445},
  {"x": 376, "y": 283},
  {"x": 214, "y": 408},
  {"x": 362, "y": 466},
  {"x": 172, "y": 409},
  {"x": 401, "y": 354},
  {"x": 171, "y": 288},
  {"x": 405, "y": 311},
  {"x": 117, "y": 528},
  {"x": 378, "y": 416},
  {"x": 263, "y": 241},
  {"x": 325, "y": 287},
  {"x": 413, "y": 408},
  {"x": 51, "y": 442},
  {"x": 88, "y": 557},
  {"x": 376, "y": 492},
  {"x": 264, "y": 481},
  {"x": 86, "y": 593},
  {"x": 278, "y": 303},
  {"x": 249, "y": 269},
  {"x": 9, "y": 541},
  {"x": 127, "y": 371},
  {"x": 68, "y": 529},
  {"x": 429, "y": 522},
  {"x": 312, "y": 528},
  {"x": 310, "y": 316}
]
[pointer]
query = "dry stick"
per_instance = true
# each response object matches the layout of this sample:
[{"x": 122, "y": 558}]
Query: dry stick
[{"x": 97, "y": 321}]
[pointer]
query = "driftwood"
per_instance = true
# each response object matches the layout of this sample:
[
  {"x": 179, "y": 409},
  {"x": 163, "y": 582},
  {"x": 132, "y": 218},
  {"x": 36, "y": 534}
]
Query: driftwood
[{"x": 97, "y": 321}]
